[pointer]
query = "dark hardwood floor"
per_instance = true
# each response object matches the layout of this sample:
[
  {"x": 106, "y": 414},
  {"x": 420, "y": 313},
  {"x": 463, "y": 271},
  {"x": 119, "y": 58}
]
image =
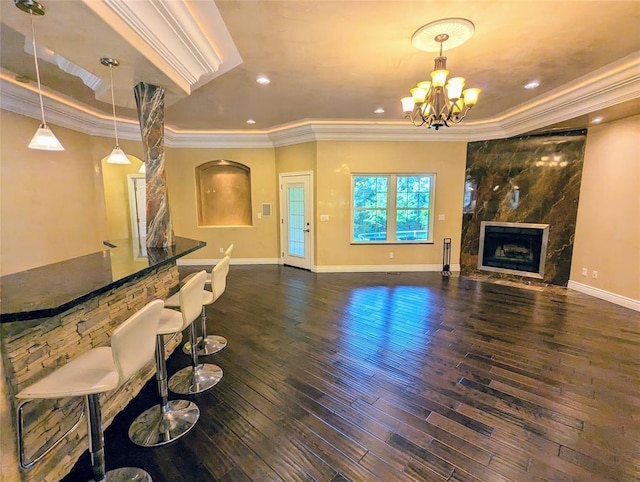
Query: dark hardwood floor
[{"x": 393, "y": 377}]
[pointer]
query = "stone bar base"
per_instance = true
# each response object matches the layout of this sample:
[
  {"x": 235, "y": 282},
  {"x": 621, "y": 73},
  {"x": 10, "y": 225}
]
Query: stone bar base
[{"x": 32, "y": 349}]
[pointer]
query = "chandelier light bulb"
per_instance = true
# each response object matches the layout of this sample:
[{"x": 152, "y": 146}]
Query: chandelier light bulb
[
  {"x": 407, "y": 104},
  {"x": 454, "y": 87}
]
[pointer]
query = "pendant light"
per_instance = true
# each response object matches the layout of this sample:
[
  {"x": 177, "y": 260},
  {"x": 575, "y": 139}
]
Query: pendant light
[
  {"x": 43, "y": 139},
  {"x": 117, "y": 156}
]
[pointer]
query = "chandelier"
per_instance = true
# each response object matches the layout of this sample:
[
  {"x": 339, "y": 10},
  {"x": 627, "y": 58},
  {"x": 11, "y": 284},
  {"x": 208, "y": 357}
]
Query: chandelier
[{"x": 440, "y": 102}]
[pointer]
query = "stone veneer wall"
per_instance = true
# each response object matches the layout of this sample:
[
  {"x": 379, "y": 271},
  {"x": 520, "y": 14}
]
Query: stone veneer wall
[
  {"x": 32, "y": 349},
  {"x": 529, "y": 179}
]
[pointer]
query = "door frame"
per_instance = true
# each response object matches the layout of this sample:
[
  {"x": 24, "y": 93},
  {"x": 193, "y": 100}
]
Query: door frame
[{"x": 309, "y": 196}]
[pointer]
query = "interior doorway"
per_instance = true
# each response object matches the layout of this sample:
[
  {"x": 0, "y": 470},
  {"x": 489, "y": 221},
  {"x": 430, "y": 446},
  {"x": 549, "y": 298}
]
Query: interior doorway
[
  {"x": 296, "y": 216},
  {"x": 138, "y": 205}
]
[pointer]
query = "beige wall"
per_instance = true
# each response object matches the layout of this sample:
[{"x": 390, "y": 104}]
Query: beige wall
[
  {"x": 257, "y": 241},
  {"x": 296, "y": 158},
  {"x": 608, "y": 225},
  {"x": 52, "y": 205},
  {"x": 337, "y": 160}
]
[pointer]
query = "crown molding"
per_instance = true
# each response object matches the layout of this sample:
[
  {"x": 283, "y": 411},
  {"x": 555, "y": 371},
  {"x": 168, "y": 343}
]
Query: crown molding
[
  {"x": 213, "y": 140},
  {"x": 613, "y": 84},
  {"x": 169, "y": 35},
  {"x": 23, "y": 99}
]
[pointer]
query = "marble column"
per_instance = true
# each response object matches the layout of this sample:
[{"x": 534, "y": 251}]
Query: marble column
[{"x": 150, "y": 102}]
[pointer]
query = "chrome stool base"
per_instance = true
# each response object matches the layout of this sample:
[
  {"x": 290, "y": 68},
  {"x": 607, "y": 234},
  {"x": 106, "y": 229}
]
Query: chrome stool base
[
  {"x": 127, "y": 474},
  {"x": 191, "y": 380},
  {"x": 162, "y": 425},
  {"x": 212, "y": 344}
]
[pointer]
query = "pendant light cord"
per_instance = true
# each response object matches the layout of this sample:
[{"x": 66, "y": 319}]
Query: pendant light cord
[
  {"x": 35, "y": 56},
  {"x": 113, "y": 104}
]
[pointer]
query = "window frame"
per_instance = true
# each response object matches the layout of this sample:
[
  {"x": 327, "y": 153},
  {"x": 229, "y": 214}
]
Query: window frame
[{"x": 391, "y": 209}]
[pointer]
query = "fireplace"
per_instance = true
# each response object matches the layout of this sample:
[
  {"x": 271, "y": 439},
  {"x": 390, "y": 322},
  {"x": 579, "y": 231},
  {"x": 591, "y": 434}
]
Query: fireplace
[{"x": 513, "y": 248}]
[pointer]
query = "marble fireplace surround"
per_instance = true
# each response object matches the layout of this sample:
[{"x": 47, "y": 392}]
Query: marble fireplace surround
[
  {"x": 513, "y": 248},
  {"x": 526, "y": 179}
]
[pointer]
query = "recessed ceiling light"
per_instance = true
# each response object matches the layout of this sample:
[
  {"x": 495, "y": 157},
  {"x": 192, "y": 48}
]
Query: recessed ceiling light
[
  {"x": 250, "y": 121},
  {"x": 379, "y": 110},
  {"x": 532, "y": 85},
  {"x": 263, "y": 79},
  {"x": 597, "y": 120}
]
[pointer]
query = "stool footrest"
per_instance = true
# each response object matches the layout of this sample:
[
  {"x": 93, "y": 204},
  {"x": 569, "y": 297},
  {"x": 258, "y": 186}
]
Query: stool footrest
[{"x": 26, "y": 464}]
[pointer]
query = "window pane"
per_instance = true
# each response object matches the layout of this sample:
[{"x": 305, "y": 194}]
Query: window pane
[
  {"x": 412, "y": 224},
  {"x": 296, "y": 221},
  {"x": 370, "y": 225},
  {"x": 369, "y": 190},
  {"x": 412, "y": 216},
  {"x": 401, "y": 199}
]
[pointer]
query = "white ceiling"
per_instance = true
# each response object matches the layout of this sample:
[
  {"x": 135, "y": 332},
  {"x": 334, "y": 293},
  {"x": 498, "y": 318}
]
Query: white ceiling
[{"x": 331, "y": 62}]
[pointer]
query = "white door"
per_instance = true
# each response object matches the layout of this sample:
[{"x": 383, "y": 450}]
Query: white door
[
  {"x": 296, "y": 232},
  {"x": 138, "y": 205}
]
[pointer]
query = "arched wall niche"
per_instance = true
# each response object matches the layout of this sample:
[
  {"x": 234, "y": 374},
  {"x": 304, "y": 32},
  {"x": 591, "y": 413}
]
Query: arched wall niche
[{"x": 223, "y": 194}]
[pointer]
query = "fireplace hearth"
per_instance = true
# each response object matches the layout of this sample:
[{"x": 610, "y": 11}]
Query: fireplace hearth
[{"x": 513, "y": 248}]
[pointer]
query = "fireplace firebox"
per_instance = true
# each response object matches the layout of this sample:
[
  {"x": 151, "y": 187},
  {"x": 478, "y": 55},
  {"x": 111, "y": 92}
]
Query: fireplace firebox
[{"x": 513, "y": 248}]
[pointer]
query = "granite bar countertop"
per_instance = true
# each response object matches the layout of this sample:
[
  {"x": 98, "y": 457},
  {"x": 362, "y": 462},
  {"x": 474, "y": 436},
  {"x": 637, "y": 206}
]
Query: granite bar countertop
[{"x": 52, "y": 289}]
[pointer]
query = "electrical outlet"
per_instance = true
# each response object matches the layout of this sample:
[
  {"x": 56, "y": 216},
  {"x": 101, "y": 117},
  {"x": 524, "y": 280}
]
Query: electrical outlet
[
  {"x": 390, "y": 254},
  {"x": 594, "y": 274},
  {"x": 585, "y": 271},
  {"x": 222, "y": 250}
]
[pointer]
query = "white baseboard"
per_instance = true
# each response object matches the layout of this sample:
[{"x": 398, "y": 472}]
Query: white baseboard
[
  {"x": 605, "y": 295},
  {"x": 377, "y": 268},
  {"x": 351, "y": 268},
  {"x": 212, "y": 261}
]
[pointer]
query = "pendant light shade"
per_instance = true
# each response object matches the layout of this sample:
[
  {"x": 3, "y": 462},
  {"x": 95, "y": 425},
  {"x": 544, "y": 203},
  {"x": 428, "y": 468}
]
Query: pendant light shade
[
  {"x": 43, "y": 139},
  {"x": 117, "y": 156}
]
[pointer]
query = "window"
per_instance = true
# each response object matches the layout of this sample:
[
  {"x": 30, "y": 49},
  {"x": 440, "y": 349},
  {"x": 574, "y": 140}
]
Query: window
[{"x": 392, "y": 208}]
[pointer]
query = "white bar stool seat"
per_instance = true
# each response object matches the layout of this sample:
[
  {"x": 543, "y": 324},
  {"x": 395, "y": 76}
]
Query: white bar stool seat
[
  {"x": 169, "y": 420},
  {"x": 199, "y": 376},
  {"x": 209, "y": 344},
  {"x": 101, "y": 370},
  {"x": 227, "y": 252}
]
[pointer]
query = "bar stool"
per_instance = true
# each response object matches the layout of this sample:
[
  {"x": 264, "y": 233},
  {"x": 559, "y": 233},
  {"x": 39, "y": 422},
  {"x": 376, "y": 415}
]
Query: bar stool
[
  {"x": 227, "y": 252},
  {"x": 210, "y": 344},
  {"x": 170, "y": 420},
  {"x": 198, "y": 377},
  {"x": 97, "y": 371}
]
